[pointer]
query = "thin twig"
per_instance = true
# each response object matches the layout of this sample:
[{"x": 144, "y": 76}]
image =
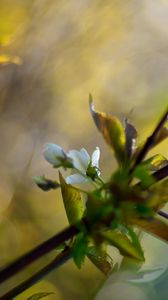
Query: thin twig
[
  {"x": 56, "y": 263},
  {"x": 149, "y": 142},
  {"x": 163, "y": 214},
  {"x": 161, "y": 174},
  {"x": 42, "y": 249}
]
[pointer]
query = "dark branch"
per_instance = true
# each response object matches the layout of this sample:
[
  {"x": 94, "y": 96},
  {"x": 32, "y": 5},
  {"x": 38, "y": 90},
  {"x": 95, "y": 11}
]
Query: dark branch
[
  {"x": 161, "y": 174},
  {"x": 42, "y": 249},
  {"x": 149, "y": 142},
  {"x": 56, "y": 263},
  {"x": 163, "y": 214}
]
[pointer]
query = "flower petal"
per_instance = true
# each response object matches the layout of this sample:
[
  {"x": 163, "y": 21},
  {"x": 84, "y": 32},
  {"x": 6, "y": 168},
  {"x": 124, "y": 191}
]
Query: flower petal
[
  {"x": 80, "y": 159},
  {"x": 52, "y": 153},
  {"x": 96, "y": 157},
  {"x": 75, "y": 178}
]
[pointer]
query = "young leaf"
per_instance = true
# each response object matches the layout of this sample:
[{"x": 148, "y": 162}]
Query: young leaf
[
  {"x": 123, "y": 243},
  {"x": 100, "y": 259},
  {"x": 38, "y": 296},
  {"x": 131, "y": 136},
  {"x": 159, "y": 196},
  {"x": 112, "y": 131},
  {"x": 135, "y": 240},
  {"x": 72, "y": 201},
  {"x": 155, "y": 162},
  {"x": 153, "y": 226},
  {"x": 145, "y": 210},
  {"x": 143, "y": 175},
  {"x": 45, "y": 184},
  {"x": 79, "y": 249}
]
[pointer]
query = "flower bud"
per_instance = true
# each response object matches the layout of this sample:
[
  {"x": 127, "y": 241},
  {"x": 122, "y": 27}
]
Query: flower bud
[
  {"x": 56, "y": 156},
  {"x": 45, "y": 184}
]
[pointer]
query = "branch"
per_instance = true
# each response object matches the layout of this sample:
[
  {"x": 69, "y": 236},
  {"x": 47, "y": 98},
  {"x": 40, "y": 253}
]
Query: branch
[
  {"x": 56, "y": 263},
  {"x": 149, "y": 142},
  {"x": 58, "y": 239},
  {"x": 42, "y": 249},
  {"x": 161, "y": 174},
  {"x": 163, "y": 214}
]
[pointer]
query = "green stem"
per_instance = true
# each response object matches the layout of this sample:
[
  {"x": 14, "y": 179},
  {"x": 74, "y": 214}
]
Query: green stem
[
  {"x": 88, "y": 178},
  {"x": 100, "y": 180}
]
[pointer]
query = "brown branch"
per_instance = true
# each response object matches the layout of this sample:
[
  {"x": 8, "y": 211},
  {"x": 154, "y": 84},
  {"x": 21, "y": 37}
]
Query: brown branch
[
  {"x": 42, "y": 249},
  {"x": 161, "y": 174},
  {"x": 163, "y": 214},
  {"x": 56, "y": 263}
]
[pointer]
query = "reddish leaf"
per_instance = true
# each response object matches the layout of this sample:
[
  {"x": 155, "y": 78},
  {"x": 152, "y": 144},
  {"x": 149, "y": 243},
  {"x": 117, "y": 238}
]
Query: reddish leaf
[
  {"x": 112, "y": 131},
  {"x": 131, "y": 136},
  {"x": 154, "y": 226}
]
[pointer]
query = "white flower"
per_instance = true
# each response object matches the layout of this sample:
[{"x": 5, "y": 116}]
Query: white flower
[
  {"x": 85, "y": 168},
  {"x": 54, "y": 154},
  {"x": 82, "y": 163}
]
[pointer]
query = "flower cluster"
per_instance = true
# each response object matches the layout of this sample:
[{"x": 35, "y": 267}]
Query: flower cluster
[
  {"x": 106, "y": 214},
  {"x": 85, "y": 168}
]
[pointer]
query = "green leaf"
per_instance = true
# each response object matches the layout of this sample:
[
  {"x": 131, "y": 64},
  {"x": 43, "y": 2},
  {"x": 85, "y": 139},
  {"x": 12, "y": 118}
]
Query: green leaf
[
  {"x": 73, "y": 203},
  {"x": 131, "y": 136},
  {"x": 98, "y": 208},
  {"x": 100, "y": 259},
  {"x": 144, "y": 210},
  {"x": 45, "y": 184},
  {"x": 79, "y": 249},
  {"x": 143, "y": 175},
  {"x": 135, "y": 240},
  {"x": 123, "y": 243},
  {"x": 38, "y": 296},
  {"x": 159, "y": 194},
  {"x": 112, "y": 131},
  {"x": 155, "y": 162}
]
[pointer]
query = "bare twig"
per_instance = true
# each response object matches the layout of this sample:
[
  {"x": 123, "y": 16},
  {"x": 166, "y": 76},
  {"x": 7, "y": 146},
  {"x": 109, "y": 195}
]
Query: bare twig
[
  {"x": 42, "y": 249},
  {"x": 163, "y": 214},
  {"x": 56, "y": 263},
  {"x": 161, "y": 174},
  {"x": 149, "y": 142}
]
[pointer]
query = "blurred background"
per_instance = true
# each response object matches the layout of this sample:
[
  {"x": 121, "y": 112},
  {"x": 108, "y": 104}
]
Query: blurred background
[{"x": 52, "y": 55}]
